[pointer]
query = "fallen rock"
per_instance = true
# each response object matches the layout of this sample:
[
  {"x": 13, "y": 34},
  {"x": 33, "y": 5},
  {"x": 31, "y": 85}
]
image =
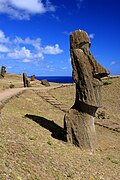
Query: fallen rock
[
  {"x": 45, "y": 82},
  {"x": 102, "y": 115}
]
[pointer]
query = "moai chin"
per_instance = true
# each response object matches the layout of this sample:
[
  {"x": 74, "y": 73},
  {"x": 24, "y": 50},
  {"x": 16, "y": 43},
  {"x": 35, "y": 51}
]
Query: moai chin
[{"x": 87, "y": 74}]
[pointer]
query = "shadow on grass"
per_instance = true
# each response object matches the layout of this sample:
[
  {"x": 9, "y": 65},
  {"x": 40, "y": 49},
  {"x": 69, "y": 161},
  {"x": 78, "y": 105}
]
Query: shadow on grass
[{"x": 57, "y": 131}]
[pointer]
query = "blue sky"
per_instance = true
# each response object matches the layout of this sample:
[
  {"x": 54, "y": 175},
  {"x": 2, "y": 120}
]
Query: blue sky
[{"x": 34, "y": 34}]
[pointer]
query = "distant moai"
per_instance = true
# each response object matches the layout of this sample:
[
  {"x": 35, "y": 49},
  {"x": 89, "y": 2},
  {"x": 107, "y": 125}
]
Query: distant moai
[
  {"x": 3, "y": 72},
  {"x": 26, "y": 82},
  {"x": 87, "y": 74},
  {"x": 33, "y": 78}
]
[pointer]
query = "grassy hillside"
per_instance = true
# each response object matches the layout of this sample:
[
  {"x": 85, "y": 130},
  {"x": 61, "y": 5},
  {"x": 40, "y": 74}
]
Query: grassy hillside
[
  {"x": 17, "y": 81},
  {"x": 31, "y": 146}
]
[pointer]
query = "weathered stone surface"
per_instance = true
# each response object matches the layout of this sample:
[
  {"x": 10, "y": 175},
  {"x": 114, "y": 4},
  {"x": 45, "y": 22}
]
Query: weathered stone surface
[
  {"x": 87, "y": 74},
  {"x": 26, "y": 82},
  {"x": 80, "y": 129},
  {"x": 45, "y": 82},
  {"x": 3, "y": 71}
]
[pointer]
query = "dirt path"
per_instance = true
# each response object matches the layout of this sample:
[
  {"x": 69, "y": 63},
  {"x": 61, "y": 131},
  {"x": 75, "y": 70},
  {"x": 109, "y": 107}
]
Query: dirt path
[{"x": 9, "y": 93}]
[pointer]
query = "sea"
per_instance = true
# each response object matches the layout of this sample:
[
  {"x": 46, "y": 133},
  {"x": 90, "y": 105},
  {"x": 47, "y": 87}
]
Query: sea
[{"x": 56, "y": 79}]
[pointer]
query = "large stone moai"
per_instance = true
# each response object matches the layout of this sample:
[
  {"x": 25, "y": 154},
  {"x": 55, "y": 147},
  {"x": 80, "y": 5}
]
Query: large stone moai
[
  {"x": 79, "y": 120},
  {"x": 25, "y": 80},
  {"x": 3, "y": 71}
]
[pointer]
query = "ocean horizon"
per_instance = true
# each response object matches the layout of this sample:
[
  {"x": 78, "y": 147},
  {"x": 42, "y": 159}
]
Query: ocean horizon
[{"x": 57, "y": 79}]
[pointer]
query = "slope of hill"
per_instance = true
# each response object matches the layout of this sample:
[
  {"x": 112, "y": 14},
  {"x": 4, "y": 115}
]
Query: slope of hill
[{"x": 31, "y": 145}]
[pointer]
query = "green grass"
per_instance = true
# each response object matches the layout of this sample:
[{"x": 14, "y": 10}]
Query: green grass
[
  {"x": 12, "y": 86},
  {"x": 107, "y": 82}
]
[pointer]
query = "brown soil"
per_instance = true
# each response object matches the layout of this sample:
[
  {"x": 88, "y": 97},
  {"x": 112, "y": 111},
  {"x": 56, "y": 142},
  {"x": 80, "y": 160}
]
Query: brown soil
[{"x": 31, "y": 145}]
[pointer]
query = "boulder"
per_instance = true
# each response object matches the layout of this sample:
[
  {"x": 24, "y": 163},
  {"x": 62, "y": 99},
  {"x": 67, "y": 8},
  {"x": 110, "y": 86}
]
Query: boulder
[{"x": 45, "y": 82}]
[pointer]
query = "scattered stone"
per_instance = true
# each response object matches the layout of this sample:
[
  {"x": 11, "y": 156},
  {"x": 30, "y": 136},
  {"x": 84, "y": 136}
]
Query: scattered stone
[
  {"x": 87, "y": 74},
  {"x": 45, "y": 82},
  {"x": 101, "y": 115},
  {"x": 25, "y": 80}
]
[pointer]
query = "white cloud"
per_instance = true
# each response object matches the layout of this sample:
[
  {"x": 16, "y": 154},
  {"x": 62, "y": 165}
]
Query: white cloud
[
  {"x": 52, "y": 49},
  {"x": 34, "y": 42},
  {"x": 64, "y": 68},
  {"x": 9, "y": 67},
  {"x": 39, "y": 55},
  {"x": 113, "y": 62},
  {"x": 69, "y": 60},
  {"x": 3, "y": 39},
  {"x": 3, "y": 48},
  {"x": 32, "y": 6},
  {"x": 26, "y": 50},
  {"x": 20, "y": 53},
  {"x": 26, "y": 60},
  {"x": 37, "y": 45},
  {"x": 91, "y": 36},
  {"x": 67, "y": 33},
  {"x": 18, "y": 9}
]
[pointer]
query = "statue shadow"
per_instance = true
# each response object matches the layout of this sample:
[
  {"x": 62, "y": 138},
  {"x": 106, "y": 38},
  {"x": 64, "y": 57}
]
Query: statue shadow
[{"x": 57, "y": 131}]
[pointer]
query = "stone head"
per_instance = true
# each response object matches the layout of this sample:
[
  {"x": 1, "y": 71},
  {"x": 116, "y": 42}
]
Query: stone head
[{"x": 79, "y": 39}]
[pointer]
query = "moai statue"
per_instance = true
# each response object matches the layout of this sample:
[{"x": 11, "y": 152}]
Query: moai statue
[
  {"x": 25, "y": 80},
  {"x": 33, "y": 78},
  {"x": 87, "y": 74},
  {"x": 3, "y": 71}
]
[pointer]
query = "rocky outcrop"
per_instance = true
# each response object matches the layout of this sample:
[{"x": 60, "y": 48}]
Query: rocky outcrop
[{"x": 87, "y": 74}]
